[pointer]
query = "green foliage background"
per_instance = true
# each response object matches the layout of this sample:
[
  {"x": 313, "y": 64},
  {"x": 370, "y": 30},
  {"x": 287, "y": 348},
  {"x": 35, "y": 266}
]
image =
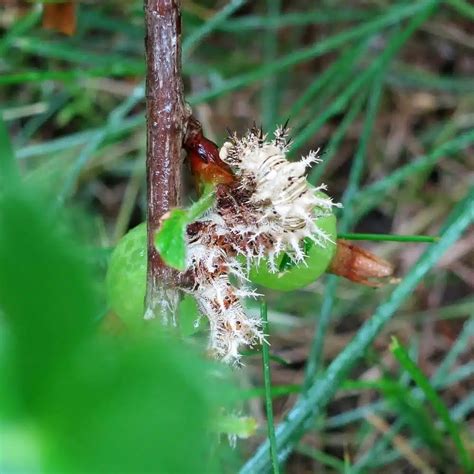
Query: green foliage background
[
  {"x": 76, "y": 400},
  {"x": 351, "y": 76}
]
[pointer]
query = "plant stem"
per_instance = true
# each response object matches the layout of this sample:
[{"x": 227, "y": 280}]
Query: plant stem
[
  {"x": 268, "y": 390},
  {"x": 166, "y": 117},
  {"x": 389, "y": 237}
]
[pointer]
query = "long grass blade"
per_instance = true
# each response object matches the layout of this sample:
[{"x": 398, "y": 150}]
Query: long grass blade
[
  {"x": 268, "y": 391},
  {"x": 270, "y": 92},
  {"x": 369, "y": 196},
  {"x": 388, "y": 237},
  {"x": 209, "y": 26},
  {"x": 336, "y": 138},
  {"x": 340, "y": 103}
]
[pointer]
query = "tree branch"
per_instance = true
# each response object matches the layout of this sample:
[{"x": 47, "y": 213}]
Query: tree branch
[{"x": 166, "y": 123}]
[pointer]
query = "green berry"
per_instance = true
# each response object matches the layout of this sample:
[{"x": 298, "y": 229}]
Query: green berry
[
  {"x": 126, "y": 283},
  {"x": 126, "y": 277},
  {"x": 298, "y": 276}
]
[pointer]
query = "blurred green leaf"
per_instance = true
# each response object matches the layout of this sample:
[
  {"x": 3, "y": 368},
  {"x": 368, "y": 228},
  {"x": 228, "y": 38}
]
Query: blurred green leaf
[
  {"x": 75, "y": 400},
  {"x": 42, "y": 279},
  {"x": 233, "y": 425},
  {"x": 8, "y": 168}
]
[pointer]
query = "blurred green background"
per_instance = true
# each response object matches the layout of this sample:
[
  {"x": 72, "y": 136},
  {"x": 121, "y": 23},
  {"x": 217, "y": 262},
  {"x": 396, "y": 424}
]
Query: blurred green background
[{"x": 386, "y": 90}]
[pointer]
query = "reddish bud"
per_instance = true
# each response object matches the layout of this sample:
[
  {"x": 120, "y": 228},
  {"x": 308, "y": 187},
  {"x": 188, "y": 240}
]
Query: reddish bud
[
  {"x": 203, "y": 155},
  {"x": 359, "y": 265}
]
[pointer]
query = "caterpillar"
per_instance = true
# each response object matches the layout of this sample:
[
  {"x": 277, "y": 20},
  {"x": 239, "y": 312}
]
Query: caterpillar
[
  {"x": 264, "y": 208},
  {"x": 268, "y": 208}
]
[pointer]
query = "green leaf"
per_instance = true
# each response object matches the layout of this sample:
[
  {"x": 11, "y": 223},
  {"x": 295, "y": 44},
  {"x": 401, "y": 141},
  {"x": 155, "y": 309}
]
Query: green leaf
[
  {"x": 170, "y": 240},
  {"x": 75, "y": 401},
  {"x": 42, "y": 279}
]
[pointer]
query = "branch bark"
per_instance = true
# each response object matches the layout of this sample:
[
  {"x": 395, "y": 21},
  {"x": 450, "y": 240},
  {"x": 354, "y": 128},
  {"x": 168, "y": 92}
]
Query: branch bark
[{"x": 166, "y": 123}]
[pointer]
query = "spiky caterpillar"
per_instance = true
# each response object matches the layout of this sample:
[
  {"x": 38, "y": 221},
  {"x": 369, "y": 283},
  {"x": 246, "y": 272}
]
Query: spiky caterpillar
[
  {"x": 268, "y": 209},
  {"x": 211, "y": 261},
  {"x": 264, "y": 212},
  {"x": 284, "y": 205}
]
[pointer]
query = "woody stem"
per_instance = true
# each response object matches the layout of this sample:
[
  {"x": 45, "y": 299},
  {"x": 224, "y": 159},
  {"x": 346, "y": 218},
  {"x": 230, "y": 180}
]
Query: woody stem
[{"x": 166, "y": 119}]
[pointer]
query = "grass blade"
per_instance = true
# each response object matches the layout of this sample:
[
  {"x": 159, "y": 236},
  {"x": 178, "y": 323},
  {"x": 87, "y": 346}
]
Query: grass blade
[
  {"x": 333, "y": 75},
  {"x": 319, "y": 16},
  {"x": 321, "y": 457},
  {"x": 393, "y": 16},
  {"x": 462, "y": 7},
  {"x": 340, "y": 103},
  {"x": 77, "y": 139},
  {"x": 421, "y": 380},
  {"x": 209, "y": 26},
  {"x": 114, "y": 120},
  {"x": 388, "y": 237},
  {"x": 461, "y": 344},
  {"x": 73, "y": 75},
  {"x": 371, "y": 194},
  {"x": 270, "y": 92},
  {"x": 268, "y": 390},
  {"x": 333, "y": 146},
  {"x": 67, "y": 52}
]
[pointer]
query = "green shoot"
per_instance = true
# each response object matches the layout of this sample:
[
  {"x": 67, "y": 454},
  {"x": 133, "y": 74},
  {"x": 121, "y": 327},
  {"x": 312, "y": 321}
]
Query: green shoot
[
  {"x": 268, "y": 393},
  {"x": 388, "y": 237}
]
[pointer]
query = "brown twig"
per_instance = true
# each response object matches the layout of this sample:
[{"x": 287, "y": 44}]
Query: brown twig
[{"x": 166, "y": 124}]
